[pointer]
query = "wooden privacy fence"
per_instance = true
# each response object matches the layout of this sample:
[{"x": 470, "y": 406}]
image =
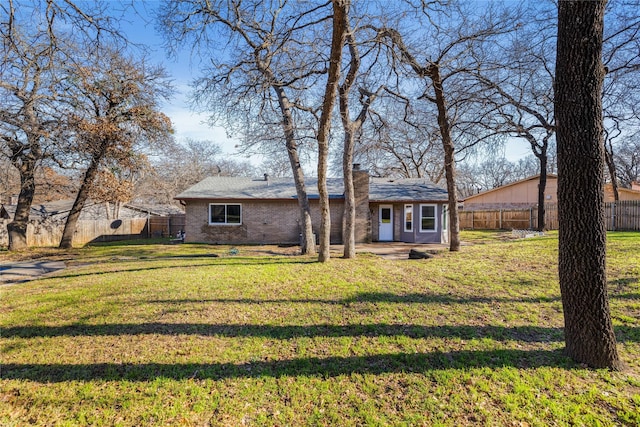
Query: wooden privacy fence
[
  {"x": 48, "y": 233},
  {"x": 165, "y": 226},
  {"x": 621, "y": 215}
]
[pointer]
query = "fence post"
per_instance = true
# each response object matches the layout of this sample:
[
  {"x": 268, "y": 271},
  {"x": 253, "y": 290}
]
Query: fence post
[
  {"x": 613, "y": 216},
  {"x": 530, "y": 218}
]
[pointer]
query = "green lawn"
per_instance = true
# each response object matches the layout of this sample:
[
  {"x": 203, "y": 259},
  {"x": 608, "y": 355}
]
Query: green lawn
[{"x": 168, "y": 335}]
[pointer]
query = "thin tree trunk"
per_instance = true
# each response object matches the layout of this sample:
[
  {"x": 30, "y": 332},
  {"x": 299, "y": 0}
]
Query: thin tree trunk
[
  {"x": 340, "y": 11},
  {"x": 308, "y": 246},
  {"x": 349, "y": 216},
  {"x": 116, "y": 209},
  {"x": 83, "y": 194},
  {"x": 542, "y": 185},
  {"x": 589, "y": 333},
  {"x": 449, "y": 156},
  {"x": 107, "y": 208},
  {"x": 350, "y": 128},
  {"x": 611, "y": 166}
]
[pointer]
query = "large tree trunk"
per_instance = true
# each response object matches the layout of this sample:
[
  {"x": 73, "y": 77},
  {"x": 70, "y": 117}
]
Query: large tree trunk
[
  {"x": 308, "y": 244},
  {"x": 589, "y": 334},
  {"x": 339, "y": 23},
  {"x": 17, "y": 228},
  {"x": 449, "y": 156}
]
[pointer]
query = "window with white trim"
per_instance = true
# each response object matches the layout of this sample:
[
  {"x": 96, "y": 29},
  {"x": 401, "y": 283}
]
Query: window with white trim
[
  {"x": 428, "y": 219},
  {"x": 445, "y": 217},
  {"x": 225, "y": 214},
  {"x": 408, "y": 218}
]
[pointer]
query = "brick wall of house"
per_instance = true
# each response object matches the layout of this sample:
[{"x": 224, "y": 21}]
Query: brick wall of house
[
  {"x": 263, "y": 222},
  {"x": 363, "y": 215}
]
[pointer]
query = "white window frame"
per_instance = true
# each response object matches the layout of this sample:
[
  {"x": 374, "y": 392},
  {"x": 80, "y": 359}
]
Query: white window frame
[
  {"x": 445, "y": 218},
  {"x": 226, "y": 216},
  {"x": 435, "y": 218},
  {"x": 406, "y": 229}
]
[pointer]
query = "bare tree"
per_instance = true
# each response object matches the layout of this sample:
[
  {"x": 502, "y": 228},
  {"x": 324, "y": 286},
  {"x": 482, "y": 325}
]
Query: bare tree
[
  {"x": 621, "y": 90},
  {"x": 400, "y": 143},
  {"x": 38, "y": 38},
  {"x": 451, "y": 57},
  {"x": 265, "y": 64},
  {"x": 352, "y": 129},
  {"x": 180, "y": 165},
  {"x": 340, "y": 27},
  {"x": 116, "y": 111},
  {"x": 627, "y": 160},
  {"x": 519, "y": 90},
  {"x": 492, "y": 171},
  {"x": 588, "y": 331},
  {"x": 520, "y": 86},
  {"x": 9, "y": 180},
  {"x": 524, "y": 116},
  {"x": 28, "y": 125}
]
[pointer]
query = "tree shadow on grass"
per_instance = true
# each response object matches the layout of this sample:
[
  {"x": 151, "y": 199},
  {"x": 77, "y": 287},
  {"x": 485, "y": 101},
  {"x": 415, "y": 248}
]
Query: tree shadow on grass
[
  {"x": 73, "y": 272},
  {"x": 368, "y": 297},
  {"x": 388, "y": 297},
  {"x": 308, "y": 367},
  {"x": 528, "y": 334},
  {"x": 442, "y": 298},
  {"x": 467, "y": 332}
]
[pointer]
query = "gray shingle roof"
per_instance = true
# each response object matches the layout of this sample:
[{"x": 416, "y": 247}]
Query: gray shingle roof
[
  {"x": 380, "y": 189},
  {"x": 405, "y": 190},
  {"x": 225, "y": 187}
]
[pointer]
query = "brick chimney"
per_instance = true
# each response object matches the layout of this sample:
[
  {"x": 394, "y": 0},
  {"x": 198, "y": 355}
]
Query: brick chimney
[{"x": 361, "y": 190}]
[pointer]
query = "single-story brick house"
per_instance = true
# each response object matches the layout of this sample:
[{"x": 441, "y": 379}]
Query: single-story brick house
[{"x": 237, "y": 210}]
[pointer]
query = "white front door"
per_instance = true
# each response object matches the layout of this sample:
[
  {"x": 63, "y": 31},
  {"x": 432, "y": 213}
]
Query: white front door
[{"x": 385, "y": 228}]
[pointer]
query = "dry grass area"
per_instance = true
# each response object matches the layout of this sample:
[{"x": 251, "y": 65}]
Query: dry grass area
[{"x": 194, "y": 335}]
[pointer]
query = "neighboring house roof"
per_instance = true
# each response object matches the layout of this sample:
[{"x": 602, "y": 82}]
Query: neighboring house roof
[
  {"x": 380, "y": 189},
  {"x": 629, "y": 191},
  {"x": 156, "y": 210},
  {"x": 624, "y": 193},
  {"x": 512, "y": 184},
  {"x": 60, "y": 209},
  {"x": 55, "y": 209}
]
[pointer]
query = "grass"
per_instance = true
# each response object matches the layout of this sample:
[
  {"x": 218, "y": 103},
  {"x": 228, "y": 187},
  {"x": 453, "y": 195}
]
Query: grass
[{"x": 173, "y": 335}]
